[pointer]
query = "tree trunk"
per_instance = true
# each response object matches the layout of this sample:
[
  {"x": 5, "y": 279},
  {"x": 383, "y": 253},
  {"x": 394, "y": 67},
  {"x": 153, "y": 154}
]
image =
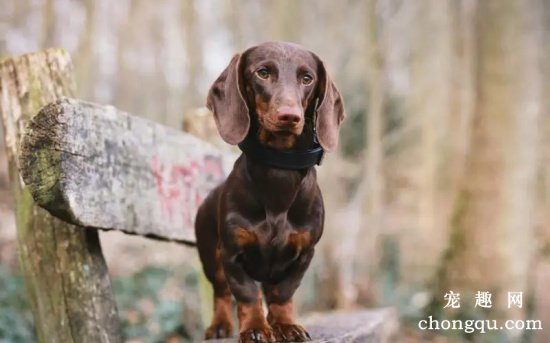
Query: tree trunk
[
  {"x": 430, "y": 106},
  {"x": 372, "y": 191},
  {"x": 491, "y": 241},
  {"x": 463, "y": 85},
  {"x": 193, "y": 48},
  {"x": 63, "y": 267},
  {"x": 542, "y": 296},
  {"x": 545, "y": 142},
  {"x": 375, "y": 121},
  {"x": 85, "y": 58}
]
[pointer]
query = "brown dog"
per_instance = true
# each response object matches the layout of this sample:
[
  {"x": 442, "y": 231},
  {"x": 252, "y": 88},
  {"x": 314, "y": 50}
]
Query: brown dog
[{"x": 278, "y": 103}]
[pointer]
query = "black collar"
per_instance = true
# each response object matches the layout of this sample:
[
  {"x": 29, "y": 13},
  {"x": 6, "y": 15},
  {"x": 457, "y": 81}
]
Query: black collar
[{"x": 289, "y": 159}]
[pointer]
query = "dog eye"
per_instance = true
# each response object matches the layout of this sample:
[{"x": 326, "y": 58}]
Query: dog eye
[
  {"x": 307, "y": 79},
  {"x": 263, "y": 73}
]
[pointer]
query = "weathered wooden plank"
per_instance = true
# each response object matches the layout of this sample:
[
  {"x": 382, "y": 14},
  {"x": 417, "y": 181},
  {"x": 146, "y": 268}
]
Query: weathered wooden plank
[
  {"x": 63, "y": 266},
  {"x": 362, "y": 326},
  {"x": 98, "y": 167}
]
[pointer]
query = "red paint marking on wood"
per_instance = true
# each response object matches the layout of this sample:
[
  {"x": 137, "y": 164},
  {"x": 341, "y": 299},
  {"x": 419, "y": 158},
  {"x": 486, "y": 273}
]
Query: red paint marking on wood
[{"x": 180, "y": 187}]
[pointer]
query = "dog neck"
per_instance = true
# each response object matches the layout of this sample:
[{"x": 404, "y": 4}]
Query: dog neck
[{"x": 285, "y": 183}]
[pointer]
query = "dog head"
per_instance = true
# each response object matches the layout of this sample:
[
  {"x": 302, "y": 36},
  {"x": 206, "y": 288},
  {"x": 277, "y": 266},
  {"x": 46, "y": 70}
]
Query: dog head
[{"x": 275, "y": 84}]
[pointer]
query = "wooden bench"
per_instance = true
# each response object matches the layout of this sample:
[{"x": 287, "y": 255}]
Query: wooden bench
[{"x": 98, "y": 168}]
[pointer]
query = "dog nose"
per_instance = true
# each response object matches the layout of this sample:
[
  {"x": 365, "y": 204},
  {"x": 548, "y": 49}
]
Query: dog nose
[{"x": 289, "y": 114}]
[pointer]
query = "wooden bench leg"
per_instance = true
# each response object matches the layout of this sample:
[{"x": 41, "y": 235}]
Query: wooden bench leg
[{"x": 62, "y": 264}]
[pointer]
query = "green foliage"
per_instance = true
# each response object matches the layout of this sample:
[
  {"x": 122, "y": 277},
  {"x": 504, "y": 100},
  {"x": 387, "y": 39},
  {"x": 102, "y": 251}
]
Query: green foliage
[
  {"x": 393, "y": 114},
  {"x": 417, "y": 302},
  {"x": 352, "y": 138},
  {"x": 16, "y": 323},
  {"x": 388, "y": 276},
  {"x": 150, "y": 311},
  {"x": 148, "y": 306}
]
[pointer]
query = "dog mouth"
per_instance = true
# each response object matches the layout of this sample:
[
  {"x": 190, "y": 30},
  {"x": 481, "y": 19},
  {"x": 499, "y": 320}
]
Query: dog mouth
[
  {"x": 277, "y": 139},
  {"x": 283, "y": 131},
  {"x": 278, "y": 136},
  {"x": 286, "y": 133}
]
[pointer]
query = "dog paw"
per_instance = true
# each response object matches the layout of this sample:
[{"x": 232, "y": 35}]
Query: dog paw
[
  {"x": 219, "y": 330},
  {"x": 290, "y": 333},
  {"x": 257, "y": 336}
]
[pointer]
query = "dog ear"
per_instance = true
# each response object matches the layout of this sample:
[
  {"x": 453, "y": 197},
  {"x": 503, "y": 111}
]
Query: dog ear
[
  {"x": 226, "y": 101},
  {"x": 330, "y": 112}
]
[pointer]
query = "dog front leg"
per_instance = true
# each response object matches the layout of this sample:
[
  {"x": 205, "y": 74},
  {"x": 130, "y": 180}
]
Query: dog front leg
[
  {"x": 280, "y": 305},
  {"x": 253, "y": 326}
]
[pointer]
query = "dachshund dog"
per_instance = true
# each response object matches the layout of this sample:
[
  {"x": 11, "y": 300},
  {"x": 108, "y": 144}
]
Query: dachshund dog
[{"x": 277, "y": 102}]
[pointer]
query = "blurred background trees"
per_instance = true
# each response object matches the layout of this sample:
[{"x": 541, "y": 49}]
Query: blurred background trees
[{"x": 442, "y": 179}]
